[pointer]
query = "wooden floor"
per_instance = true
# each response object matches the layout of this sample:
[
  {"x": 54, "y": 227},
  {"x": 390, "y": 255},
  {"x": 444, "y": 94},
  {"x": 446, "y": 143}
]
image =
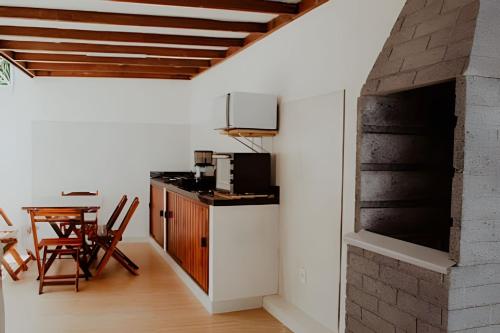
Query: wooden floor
[{"x": 155, "y": 301}]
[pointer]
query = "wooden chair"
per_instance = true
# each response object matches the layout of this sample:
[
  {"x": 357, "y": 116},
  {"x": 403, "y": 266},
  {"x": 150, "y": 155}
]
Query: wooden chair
[
  {"x": 109, "y": 244},
  {"x": 109, "y": 227},
  {"x": 8, "y": 238},
  {"x": 90, "y": 224},
  {"x": 57, "y": 246}
]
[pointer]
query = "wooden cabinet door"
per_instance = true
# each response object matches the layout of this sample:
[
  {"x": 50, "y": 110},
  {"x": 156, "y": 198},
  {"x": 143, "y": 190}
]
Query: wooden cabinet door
[
  {"x": 188, "y": 236},
  {"x": 157, "y": 225},
  {"x": 174, "y": 227},
  {"x": 199, "y": 245}
]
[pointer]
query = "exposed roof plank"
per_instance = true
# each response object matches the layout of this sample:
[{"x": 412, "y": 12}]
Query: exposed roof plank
[
  {"x": 277, "y": 23},
  {"x": 102, "y": 48},
  {"x": 257, "y": 6},
  {"x": 9, "y": 56},
  {"x": 69, "y": 58},
  {"x": 112, "y": 75},
  {"x": 307, "y": 5},
  {"x": 129, "y": 19},
  {"x": 130, "y": 37},
  {"x": 50, "y": 66},
  {"x": 75, "y": 59}
]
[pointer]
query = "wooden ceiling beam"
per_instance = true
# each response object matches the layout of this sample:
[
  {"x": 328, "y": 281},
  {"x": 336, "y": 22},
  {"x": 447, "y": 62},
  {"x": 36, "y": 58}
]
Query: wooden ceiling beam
[
  {"x": 112, "y": 75},
  {"x": 10, "y": 57},
  {"x": 277, "y": 23},
  {"x": 103, "y": 48},
  {"x": 129, "y": 19},
  {"x": 92, "y": 66},
  {"x": 51, "y": 66},
  {"x": 113, "y": 36},
  {"x": 307, "y": 5},
  {"x": 69, "y": 58},
  {"x": 257, "y": 6}
]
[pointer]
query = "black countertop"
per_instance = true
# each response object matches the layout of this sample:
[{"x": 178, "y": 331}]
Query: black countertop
[{"x": 167, "y": 180}]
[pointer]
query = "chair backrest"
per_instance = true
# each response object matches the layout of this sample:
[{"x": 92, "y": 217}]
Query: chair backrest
[
  {"x": 6, "y": 218},
  {"x": 133, "y": 206},
  {"x": 116, "y": 213},
  {"x": 55, "y": 215},
  {"x": 80, "y": 194}
]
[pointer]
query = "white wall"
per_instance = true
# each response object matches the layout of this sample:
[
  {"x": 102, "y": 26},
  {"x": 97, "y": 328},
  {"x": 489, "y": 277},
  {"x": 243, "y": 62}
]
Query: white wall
[
  {"x": 114, "y": 158},
  {"x": 330, "y": 49},
  {"x": 309, "y": 174},
  {"x": 88, "y": 134}
]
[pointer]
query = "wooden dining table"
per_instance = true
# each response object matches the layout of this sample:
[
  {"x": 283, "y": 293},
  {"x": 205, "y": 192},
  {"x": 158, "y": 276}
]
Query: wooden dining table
[{"x": 88, "y": 205}]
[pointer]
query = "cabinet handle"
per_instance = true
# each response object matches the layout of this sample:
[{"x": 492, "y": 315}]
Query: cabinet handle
[
  {"x": 162, "y": 213},
  {"x": 204, "y": 242}
]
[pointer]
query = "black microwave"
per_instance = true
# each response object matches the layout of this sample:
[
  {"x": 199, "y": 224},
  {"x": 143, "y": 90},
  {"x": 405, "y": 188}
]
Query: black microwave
[{"x": 243, "y": 173}]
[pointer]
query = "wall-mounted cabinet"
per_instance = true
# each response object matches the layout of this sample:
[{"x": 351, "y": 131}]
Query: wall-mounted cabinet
[{"x": 241, "y": 110}]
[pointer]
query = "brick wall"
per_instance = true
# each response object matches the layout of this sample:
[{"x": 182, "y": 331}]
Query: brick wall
[
  {"x": 385, "y": 295},
  {"x": 430, "y": 42},
  {"x": 435, "y": 41},
  {"x": 485, "y": 54},
  {"x": 474, "y": 300}
]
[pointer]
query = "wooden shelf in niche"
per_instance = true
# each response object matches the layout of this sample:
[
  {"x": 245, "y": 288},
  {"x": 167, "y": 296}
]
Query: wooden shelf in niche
[
  {"x": 399, "y": 130},
  {"x": 248, "y": 133},
  {"x": 391, "y": 167}
]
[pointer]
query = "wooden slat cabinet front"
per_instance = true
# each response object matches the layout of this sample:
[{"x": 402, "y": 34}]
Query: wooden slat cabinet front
[
  {"x": 157, "y": 220},
  {"x": 187, "y": 236}
]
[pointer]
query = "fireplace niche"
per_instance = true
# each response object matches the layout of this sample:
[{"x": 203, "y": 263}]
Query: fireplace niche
[{"x": 406, "y": 164}]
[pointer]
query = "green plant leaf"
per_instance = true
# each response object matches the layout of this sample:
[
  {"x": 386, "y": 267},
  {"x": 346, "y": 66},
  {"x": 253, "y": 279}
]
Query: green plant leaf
[{"x": 5, "y": 72}]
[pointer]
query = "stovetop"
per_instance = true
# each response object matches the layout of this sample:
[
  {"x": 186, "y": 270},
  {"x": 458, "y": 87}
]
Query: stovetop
[{"x": 187, "y": 181}]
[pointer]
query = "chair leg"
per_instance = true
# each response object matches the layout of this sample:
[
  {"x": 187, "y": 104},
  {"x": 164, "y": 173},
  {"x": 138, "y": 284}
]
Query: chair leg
[
  {"x": 31, "y": 255},
  {"x": 125, "y": 264},
  {"x": 77, "y": 276},
  {"x": 127, "y": 259},
  {"x": 104, "y": 260},
  {"x": 17, "y": 257},
  {"x": 27, "y": 260},
  {"x": 94, "y": 253},
  {"x": 42, "y": 273},
  {"x": 9, "y": 269}
]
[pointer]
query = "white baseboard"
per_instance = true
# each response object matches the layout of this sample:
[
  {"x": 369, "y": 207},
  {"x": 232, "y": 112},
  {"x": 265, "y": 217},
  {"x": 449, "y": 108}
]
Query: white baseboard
[
  {"x": 292, "y": 317},
  {"x": 288, "y": 314},
  {"x": 241, "y": 304}
]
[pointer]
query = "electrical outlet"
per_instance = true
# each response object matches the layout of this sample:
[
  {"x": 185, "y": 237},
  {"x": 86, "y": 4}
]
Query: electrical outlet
[{"x": 303, "y": 275}]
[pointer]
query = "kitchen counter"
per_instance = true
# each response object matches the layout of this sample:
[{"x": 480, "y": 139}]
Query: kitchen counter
[
  {"x": 214, "y": 199},
  {"x": 226, "y": 250}
]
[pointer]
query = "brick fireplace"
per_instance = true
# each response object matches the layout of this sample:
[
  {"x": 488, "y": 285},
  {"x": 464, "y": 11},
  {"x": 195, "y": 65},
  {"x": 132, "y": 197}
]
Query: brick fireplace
[{"x": 426, "y": 253}]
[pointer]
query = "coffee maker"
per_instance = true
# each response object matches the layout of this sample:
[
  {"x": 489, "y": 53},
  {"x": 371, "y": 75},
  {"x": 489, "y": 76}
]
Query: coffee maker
[{"x": 203, "y": 164}]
